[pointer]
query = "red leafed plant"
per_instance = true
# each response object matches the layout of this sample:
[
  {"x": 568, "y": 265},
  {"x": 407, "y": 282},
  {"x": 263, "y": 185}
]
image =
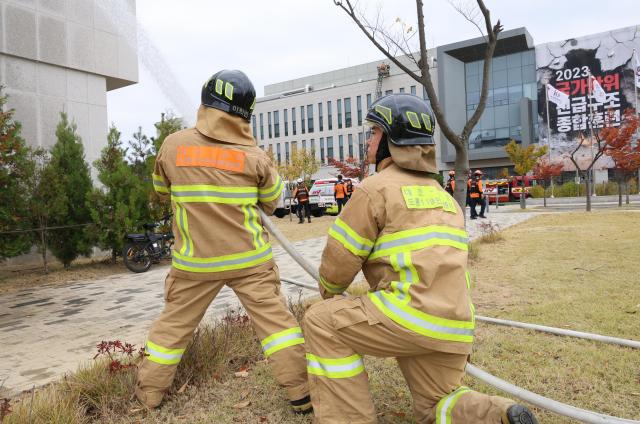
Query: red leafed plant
[
  {"x": 350, "y": 168},
  {"x": 5, "y": 409},
  {"x": 623, "y": 147},
  {"x": 547, "y": 171},
  {"x": 121, "y": 355}
]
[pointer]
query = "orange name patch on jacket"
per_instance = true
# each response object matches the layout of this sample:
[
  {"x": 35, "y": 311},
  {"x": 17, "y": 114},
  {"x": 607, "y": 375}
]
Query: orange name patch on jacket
[{"x": 210, "y": 157}]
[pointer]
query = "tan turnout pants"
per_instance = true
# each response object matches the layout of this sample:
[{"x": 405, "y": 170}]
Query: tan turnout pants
[
  {"x": 339, "y": 330},
  {"x": 186, "y": 301}
]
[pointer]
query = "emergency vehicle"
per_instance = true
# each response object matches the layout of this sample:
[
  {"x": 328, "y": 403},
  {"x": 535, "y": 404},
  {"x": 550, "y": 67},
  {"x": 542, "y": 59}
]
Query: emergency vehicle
[
  {"x": 509, "y": 189},
  {"x": 285, "y": 201},
  {"x": 321, "y": 195}
]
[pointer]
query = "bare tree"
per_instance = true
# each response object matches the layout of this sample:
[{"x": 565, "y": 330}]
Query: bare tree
[{"x": 392, "y": 43}]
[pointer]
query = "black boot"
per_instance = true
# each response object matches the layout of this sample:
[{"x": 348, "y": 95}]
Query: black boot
[
  {"x": 519, "y": 414},
  {"x": 302, "y": 406}
]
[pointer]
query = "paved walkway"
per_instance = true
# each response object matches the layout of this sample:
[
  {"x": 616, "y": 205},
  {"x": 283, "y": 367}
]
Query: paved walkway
[{"x": 48, "y": 331}]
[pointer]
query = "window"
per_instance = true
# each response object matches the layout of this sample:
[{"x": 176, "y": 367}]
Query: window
[
  {"x": 413, "y": 89},
  {"x": 255, "y": 127},
  {"x": 368, "y": 101},
  {"x": 402, "y": 89},
  {"x": 329, "y": 148},
  {"x": 339, "y": 101},
  {"x": 347, "y": 112},
  {"x": 302, "y": 126},
  {"x": 310, "y": 118},
  {"x": 329, "y": 116},
  {"x": 294, "y": 146},
  {"x": 276, "y": 123},
  {"x": 361, "y": 145},
  {"x": 350, "y": 140},
  {"x": 261, "y": 127},
  {"x": 387, "y": 92},
  {"x": 286, "y": 122},
  {"x": 269, "y": 123},
  {"x": 359, "y": 109},
  {"x": 286, "y": 152},
  {"x": 304, "y": 144},
  {"x": 322, "y": 150},
  {"x": 341, "y": 147},
  {"x": 320, "y": 124},
  {"x": 279, "y": 154},
  {"x": 293, "y": 120},
  {"x": 313, "y": 147}
]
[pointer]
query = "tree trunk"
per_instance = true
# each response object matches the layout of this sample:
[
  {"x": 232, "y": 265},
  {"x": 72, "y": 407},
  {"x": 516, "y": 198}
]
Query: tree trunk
[
  {"x": 114, "y": 253},
  {"x": 588, "y": 191},
  {"x": 619, "y": 192},
  {"x": 462, "y": 170},
  {"x": 544, "y": 194},
  {"x": 523, "y": 198}
]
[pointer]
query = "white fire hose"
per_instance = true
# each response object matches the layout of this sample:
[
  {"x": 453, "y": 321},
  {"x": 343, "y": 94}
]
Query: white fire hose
[{"x": 560, "y": 408}]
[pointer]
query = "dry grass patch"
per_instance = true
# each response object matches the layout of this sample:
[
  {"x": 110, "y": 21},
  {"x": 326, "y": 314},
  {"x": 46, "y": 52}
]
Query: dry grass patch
[
  {"x": 570, "y": 270},
  {"x": 319, "y": 227}
]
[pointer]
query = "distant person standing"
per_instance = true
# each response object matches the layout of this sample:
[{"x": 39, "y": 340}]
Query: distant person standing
[
  {"x": 476, "y": 195},
  {"x": 450, "y": 187},
  {"x": 349, "y": 189},
  {"x": 340, "y": 193},
  {"x": 301, "y": 194}
]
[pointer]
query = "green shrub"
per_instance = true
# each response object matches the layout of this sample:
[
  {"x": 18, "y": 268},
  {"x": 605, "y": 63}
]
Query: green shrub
[{"x": 537, "y": 191}]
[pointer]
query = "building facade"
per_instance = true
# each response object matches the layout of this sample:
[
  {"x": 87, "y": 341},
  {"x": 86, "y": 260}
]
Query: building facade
[
  {"x": 63, "y": 56},
  {"x": 332, "y": 105}
]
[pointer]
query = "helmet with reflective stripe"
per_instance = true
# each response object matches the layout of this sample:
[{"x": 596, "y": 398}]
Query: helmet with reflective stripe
[
  {"x": 230, "y": 91},
  {"x": 406, "y": 119}
]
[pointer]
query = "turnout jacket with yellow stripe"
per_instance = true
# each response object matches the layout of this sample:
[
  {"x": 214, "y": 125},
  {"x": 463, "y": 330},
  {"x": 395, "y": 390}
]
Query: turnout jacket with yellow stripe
[
  {"x": 407, "y": 234},
  {"x": 217, "y": 178}
]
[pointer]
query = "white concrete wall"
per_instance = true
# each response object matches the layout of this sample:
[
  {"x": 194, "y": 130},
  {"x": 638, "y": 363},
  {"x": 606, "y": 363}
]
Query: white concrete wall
[{"x": 63, "y": 55}]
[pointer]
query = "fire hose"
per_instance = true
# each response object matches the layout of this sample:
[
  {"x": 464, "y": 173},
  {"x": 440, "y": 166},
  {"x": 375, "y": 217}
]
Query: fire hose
[{"x": 560, "y": 408}]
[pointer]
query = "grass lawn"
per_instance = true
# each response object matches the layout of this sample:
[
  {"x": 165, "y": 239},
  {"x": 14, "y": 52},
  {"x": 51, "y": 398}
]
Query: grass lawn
[{"x": 570, "y": 270}]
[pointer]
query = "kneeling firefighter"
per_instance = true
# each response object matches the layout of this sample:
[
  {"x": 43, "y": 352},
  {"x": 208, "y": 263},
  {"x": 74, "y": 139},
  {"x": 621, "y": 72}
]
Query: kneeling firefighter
[
  {"x": 217, "y": 178},
  {"x": 408, "y": 237}
]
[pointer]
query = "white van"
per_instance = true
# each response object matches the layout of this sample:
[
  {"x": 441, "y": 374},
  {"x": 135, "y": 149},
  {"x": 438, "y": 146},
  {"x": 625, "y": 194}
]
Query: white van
[
  {"x": 283, "y": 207},
  {"x": 321, "y": 194}
]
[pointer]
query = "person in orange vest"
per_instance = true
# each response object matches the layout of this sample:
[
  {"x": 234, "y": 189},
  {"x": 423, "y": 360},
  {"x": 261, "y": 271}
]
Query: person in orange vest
[
  {"x": 217, "y": 180},
  {"x": 349, "y": 189},
  {"x": 301, "y": 194},
  {"x": 407, "y": 236},
  {"x": 476, "y": 194},
  {"x": 450, "y": 187},
  {"x": 340, "y": 193}
]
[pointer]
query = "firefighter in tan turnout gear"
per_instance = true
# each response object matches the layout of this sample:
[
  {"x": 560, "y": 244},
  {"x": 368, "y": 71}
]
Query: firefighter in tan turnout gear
[
  {"x": 217, "y": 178},
  {"x": 408, "y": 237}
]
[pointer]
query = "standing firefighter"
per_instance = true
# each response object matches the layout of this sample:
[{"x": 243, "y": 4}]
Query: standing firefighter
[
  {"x": 450, "y": 187},
  {"x": 217, "y": 178},
  {"x": 408, "y": 237},
  {"x": 301, "y": 194},
  {"x": 476, "y": 195},
  {"x": 340, "y": 193}
]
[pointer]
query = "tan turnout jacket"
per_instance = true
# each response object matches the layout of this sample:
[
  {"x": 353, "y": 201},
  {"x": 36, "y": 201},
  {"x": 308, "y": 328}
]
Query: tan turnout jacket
[
  {"x": 217, "y": 178},
  {"x": 407, "y": 234}
]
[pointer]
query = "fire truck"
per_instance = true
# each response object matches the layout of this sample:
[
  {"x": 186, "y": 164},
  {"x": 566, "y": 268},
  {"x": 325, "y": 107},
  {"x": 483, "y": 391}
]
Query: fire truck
[{"x": 509, "y": 189}]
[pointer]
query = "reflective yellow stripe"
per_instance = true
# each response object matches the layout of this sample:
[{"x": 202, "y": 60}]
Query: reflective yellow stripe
[
  {"x": 159, "y": 184},
  {"x": 282, "y": 340},
  {"x": 407, "y": 275},
  {"x": 472, "y": 308},
  {"x": 420, "y": 322},
  {"x": 446, "y": 405},
  {"x": 331, "y": 287},
  {"x": 252, "y": 225},
  {"x": 271, "y": 193},
  {"x": 335, "y": 368},
  {"x": 352, "y": 241},
  {"x": 183, "y": 227},
  {"x": 214, "y": 194},
  {"x": 223, "y": 263},
  {"x": 163, "y": 355},
  {"x": 419, "y": 238}
]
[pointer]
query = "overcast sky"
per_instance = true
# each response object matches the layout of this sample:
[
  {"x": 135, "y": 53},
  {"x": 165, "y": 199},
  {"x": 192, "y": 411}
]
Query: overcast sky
[{"x": 278, "y": 40}]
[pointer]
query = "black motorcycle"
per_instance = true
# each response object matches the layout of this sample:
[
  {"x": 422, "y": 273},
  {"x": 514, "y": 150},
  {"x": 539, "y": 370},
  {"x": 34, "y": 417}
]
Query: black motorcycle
[{"x": 142, "y": 250}]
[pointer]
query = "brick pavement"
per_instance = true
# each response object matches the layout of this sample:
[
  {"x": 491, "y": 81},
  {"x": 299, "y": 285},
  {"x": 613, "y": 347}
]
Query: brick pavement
[{"x": 49, "y": 330}]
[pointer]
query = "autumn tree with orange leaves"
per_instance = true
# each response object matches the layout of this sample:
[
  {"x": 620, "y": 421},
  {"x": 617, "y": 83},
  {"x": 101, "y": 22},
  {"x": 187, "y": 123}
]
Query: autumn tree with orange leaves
[
  {"x": 351, "y": 167},
  {"x": 623, "y": 147},
  {"x": 546, "y": 171}
]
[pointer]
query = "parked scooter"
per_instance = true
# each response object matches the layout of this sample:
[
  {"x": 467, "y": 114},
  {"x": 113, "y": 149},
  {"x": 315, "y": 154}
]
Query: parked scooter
[{"x": 142, "y": 250}]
